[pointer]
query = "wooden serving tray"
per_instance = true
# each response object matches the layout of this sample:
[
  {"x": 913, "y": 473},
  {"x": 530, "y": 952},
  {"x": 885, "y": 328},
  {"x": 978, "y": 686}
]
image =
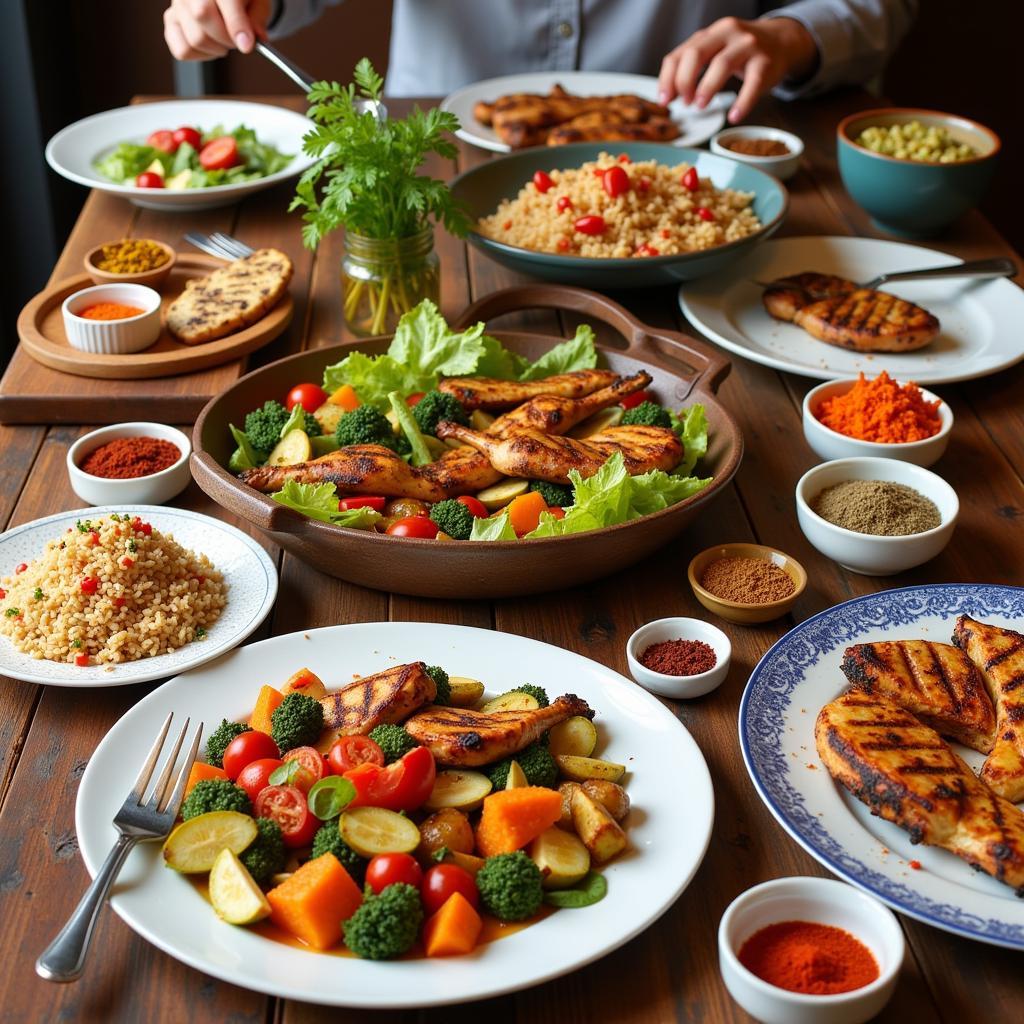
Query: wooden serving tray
[{"x": 41, "y": 330}]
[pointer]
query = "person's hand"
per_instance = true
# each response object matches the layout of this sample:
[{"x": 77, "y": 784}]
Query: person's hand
[
  {"x": 202, "y": 29},
  {"x": 762, "y": 53}
]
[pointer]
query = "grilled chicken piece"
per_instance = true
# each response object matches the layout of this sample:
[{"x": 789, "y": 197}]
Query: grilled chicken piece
[
  {"x": 384, "y": 698},
  {"x": 599, "y": 127},
  {"x": 840, "y": 313},
  {"x": 485, "y": 393},
  {"x": 907, "y": 774},
  {"x": 538, "y": 456},
  {"x": 999, "y": 654},
  {"x": 936, "y": 682},
  {"x": 458, "y": 736}
]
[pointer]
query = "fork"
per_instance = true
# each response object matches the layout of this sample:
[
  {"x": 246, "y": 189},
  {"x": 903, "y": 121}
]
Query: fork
[
  {"x": 982, "y": 270},
  {"x": 64, "y": 959},
  {"x": 220, "y": 245}
]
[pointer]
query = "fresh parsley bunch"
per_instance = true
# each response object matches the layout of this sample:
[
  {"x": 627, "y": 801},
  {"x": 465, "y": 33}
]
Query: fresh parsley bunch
[{"x": 367, "y": 170}]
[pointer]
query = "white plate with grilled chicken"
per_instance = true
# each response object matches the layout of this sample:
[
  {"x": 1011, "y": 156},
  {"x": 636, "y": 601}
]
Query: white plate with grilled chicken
[
  {"x": 943, "y": 331},
  {"x": 667, "y": 837},
  {"x": 893, "y": 718}
]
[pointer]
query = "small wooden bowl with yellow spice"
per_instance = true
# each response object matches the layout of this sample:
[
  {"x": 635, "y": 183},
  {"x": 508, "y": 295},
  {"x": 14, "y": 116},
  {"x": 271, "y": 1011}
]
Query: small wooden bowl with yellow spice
[
  {"x": 130, "y": 261},
  {"x": 746, "y": 583}
]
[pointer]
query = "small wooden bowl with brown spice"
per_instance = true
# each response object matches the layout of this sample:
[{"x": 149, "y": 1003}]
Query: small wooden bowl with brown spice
[
  {"x": 742, "y": 612},
  {"x": 153, "y": 277}
]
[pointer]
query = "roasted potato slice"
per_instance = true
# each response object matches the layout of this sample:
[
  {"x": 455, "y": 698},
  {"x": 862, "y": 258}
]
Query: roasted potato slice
[
  {"x": 582, "y": 768},
  {"x": 461, "y": 789},
  {"x": 511, "y": 701},
  {"x": 600, "y": 832},
  {"x": 465, "y": 691},
  {"x": 610, "y": 795},
  {"x": 516, "y": 777},
  {"x": 575, "y": 737},
  {"x": 561, "y": 856},
  {"x": 448, "y": 829},
  {"x": 567, "y": 789}
]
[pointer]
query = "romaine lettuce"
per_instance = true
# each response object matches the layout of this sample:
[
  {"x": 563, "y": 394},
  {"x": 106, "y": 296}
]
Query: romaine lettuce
[{"x": 320, "y": 501}]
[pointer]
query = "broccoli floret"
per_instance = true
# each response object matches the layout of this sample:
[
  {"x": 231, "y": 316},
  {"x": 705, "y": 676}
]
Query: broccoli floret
[
  {"x": 453, "y": 518},
  {"x": 215, "y": 795},
  {"x": 647, "y": 414},
  {"x": 265, "y": 855},
  {"x": 556, "y": 495},
  {"x": 296, "y": 722},
  {"x": 367, "y": 425},
  {"x": 435, "y": 406},
  {"x": 219, "y": 740},
  {"x": 328, "y": 840},
  {"x": 387, "y": 925},
  {"x": 263, "y": 426},
  {"x": 537, "y": 763},
  {"x": 510, "y": 886},
  {"x": 444, "y": 687},
  {"x": 393, "y": 740},
  {"x": 538, "y": 693}
]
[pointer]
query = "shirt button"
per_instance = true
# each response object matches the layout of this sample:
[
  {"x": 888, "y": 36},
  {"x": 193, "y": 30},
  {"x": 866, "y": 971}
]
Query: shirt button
[{"x": 564, "y": 29}]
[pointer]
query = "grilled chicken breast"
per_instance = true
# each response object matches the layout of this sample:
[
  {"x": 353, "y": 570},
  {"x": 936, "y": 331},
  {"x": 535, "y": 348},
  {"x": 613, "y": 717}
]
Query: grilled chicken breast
[
  {"x": 999, "y": 654},
  {"x": 384, "y": 698},
  {"x": 458, "y": 736},
  {"x": 840, "y": 313},
  {"x": 486, "y": 393},
  {"x": 907, "y": 774},
  {"x": 936, "y": 682},
  {"x": 600, "y": 127}
]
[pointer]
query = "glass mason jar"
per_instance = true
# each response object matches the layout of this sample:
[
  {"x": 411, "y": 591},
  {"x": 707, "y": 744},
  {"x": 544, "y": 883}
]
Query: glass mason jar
[{"x": 382, "y": 278}]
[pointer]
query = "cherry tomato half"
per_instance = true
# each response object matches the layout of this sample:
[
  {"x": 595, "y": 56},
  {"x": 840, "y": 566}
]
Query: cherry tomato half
[
  {"x": 402, "y": 786},
  {"x": 413, "y": 526},
  {"x": 635, "y": 399},
  {"x": 564, "y": 203},
  {"x": 255, "y": 776},
  {"x": 441, "y": 881},
  {"x": 149, "y": 179},
  {"x": 691, "y": 180},
  {"x": 311, "y": 767},
  {"x": 164, "y": 140},
  {"x": 309, "y": 396},
  {"x": 349, "y": 752},
  {"x": 188, "y": 134},
  {"x": 542, "y": 181},
  {"x": 287, "y": 806},
  {"x": 615, "y": 181},
  {"x": 475, "y": 505},
  {"x": 219, "y": 154},
  {"x": 645, "y": 249},
  {"x": 388, "y": 868},
  {"x": 705, "y": 214},
  {"x": 244, "y": 749},
  {"x": 377, "y": 504},
  {"x": 591, "y": 224}
]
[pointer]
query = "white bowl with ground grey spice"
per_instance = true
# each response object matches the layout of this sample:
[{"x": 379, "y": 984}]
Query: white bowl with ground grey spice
[{"x": 877, "y": 517}]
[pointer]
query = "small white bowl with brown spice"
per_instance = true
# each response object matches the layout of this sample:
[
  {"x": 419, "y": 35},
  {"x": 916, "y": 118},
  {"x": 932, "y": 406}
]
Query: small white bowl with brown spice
[
  {"x": 678, "y": 687},
  {"x": 768, "y": 149},
  {"x": 746, "y": 583},
  {"x": 873, "y": 554}
]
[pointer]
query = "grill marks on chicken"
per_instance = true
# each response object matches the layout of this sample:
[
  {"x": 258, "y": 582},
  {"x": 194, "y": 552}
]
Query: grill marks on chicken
[
  {"x": 384, "y": 698},
  {"x": 487, "y": 393},
  {"x": 465, "y": 738}
]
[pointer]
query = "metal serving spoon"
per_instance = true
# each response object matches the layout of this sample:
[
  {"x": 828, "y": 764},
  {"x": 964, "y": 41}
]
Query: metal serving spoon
[{"x": 998, "y": 266}]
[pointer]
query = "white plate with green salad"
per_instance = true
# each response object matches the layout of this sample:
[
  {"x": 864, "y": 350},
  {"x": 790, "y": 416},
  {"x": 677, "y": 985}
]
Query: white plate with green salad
[{"x": 182, "y": 154}]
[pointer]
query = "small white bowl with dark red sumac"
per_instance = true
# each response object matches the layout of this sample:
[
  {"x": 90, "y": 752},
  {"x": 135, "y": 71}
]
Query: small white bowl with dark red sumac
[{"x": 678, "y": 687}]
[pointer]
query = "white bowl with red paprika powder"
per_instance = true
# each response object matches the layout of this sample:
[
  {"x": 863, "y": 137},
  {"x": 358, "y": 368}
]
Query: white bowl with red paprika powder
[
  {"x": 130, "y": 463},
  {"x": 679, "y": 657}
]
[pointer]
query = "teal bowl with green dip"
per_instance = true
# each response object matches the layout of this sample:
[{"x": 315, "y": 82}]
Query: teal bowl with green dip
[
  {"x": 908, "y": 197},
  {"x": 482, "y": 188}
]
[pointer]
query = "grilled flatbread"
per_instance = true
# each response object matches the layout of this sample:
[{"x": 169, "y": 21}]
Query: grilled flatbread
[{"x": 232, "y": 297}]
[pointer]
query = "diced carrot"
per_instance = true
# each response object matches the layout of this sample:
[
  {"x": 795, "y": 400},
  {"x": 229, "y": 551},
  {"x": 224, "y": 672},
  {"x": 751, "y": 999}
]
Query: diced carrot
[
  {"x": 514, "y": 817},
  {"x": 454, "y": 929},
  {"x": 312, "y": 903},
  {"x": 346, "y": 397},
  {"x": 202, "y": 771},
  {"x": 266, "y": 704},
  {"x": 524, "y": 512}
]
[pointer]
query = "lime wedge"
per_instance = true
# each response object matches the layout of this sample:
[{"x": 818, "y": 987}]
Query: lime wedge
[
  {"x": 234, "y": 895},
  {"x": 194, "y": 845}
]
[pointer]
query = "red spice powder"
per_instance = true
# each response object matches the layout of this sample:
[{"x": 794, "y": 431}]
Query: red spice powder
[
  {"x": 130, "y": 457},
  {"x": 679, "y": 657}
]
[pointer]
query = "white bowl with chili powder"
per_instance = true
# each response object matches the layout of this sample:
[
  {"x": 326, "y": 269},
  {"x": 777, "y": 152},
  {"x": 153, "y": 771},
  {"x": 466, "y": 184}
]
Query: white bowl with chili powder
[
  {"x": 827, "y": 958},
  {"x": 130, "y": 463},
  {"x": 679, "y": 657}
]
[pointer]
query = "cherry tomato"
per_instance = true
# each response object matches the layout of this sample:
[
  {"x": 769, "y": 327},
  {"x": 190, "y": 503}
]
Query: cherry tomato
[
  {"x": 188, "y": 134},
  {"x": 414, "y": 399},
  {"x": 255, "y": 776},
  {"x": 377, "y": 504},
  {"x": 388, "y": 868},
  {"x": 635, "y": 399},
  {"x": 90, "y": 584},
  {"x": 691, "y": 180},
  {"x": 475, "y": 505},
  {"x": 164, "y": 140},
  {"x": 704, "y": 213},
  {"x": 643, "y": 184},
  {"x": 402, "y": 786},
  {"x": 311, "y": 767},
  {"x": 591, "y": 224},
  {"x": 562, "y": 245},
  {"x": 644, "y": 249},
  {"x": 149, "y": 179},
  {"x": 287, "y": 806},
  {"x": 21, "y": 567},
  {"x": 441, "y": 881},
  {"x": 542, "y": 181},
  {"x": 564, "y": 203},
  {"x": 615, "y": 181},
  {"x": 349, "y": 752},
  {"x": 219, "y": 154},
  {"x": 309, "y": 396},
  {"x": 244, "y": 749},
  {"x": 413, "y": 526}
]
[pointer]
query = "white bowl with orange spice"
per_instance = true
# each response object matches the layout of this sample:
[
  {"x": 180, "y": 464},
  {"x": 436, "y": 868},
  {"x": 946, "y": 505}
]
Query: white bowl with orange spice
[
  {"x": 112, "y": 319},
  {"x": 880, "y": 418}
]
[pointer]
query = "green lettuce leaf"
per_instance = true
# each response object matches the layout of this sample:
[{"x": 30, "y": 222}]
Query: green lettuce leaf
[
  {"x": 499, "y": 362},
  {"x": 576, "y": 353},
  {"x": 296, "y": 421},
  {"x": 424, "y": 343},
  {"x": 692, "y": 427},
  {"x": 493, "y": 528},
  {"x": 129, "y": 160},
  {"x": 320, "y": 501},
  {"x": 245, "y": 455}
]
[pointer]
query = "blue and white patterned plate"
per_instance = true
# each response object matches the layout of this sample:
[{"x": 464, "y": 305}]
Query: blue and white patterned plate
[{"x": 776, "y": 724}]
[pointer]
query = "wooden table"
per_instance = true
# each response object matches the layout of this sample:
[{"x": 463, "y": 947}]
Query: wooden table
[{"x": 670, "y": 972}]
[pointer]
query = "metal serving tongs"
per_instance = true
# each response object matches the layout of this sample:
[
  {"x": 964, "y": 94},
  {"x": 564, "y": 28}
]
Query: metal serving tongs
[
  {"x": 305, "y": 81},
  {"x": 981, "y": 270}
]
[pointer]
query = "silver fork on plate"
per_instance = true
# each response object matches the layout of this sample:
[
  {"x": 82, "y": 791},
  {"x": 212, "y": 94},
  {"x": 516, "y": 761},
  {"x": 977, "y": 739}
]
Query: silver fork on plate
[
  {"x": 982, "y": 270},
  {"x": 64, "y": 959},
  {"x": 220, "y": 245}
]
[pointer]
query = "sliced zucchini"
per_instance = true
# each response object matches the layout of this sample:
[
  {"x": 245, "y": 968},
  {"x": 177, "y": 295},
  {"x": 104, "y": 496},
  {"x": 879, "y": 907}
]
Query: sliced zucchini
[
  {"x": 328, "y": 415},
  {"x": 373, "y": 830},
  {"x": 480, "y": 420},
  {"x": 610, "y": 417},
  {"x": 579, "y": 769},
  {"x": 511, "y": 701},
  {"x": 464, "y": 790},
  {"x": 195, "y": 844},
  {"x": 576, "y": 736},
  {"x": 236, "y": 898},
  {"x": 465, "y": 691},
  {"x": 292, "y": 448},
  {"x": 562, "y": 857},
  {"x": 502, "y": 493}
]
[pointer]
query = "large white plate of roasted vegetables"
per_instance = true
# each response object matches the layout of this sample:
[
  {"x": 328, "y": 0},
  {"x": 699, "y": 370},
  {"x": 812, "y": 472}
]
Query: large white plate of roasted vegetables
[{"x": 449, "y": 836}]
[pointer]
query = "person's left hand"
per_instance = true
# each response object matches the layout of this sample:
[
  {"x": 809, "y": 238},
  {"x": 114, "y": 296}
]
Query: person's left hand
[{"x": 762, "y": 53}]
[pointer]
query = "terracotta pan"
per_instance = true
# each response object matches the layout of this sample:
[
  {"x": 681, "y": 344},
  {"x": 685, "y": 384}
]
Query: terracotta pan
[{"x": 684, "y": 371}]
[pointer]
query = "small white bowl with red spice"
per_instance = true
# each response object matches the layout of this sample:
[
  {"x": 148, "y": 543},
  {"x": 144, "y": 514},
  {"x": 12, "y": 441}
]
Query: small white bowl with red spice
[
  {"x": 829, "y": 444},
  {"x": 679, "y": 643},
  {"x": 125, "y": 455},
  {"x": 812, "y": 957},
  {"x": 106, "y": 333}
]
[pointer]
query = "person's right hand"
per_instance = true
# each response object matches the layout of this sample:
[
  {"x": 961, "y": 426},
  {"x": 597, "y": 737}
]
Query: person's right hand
[{"x": 203, "y": 29}]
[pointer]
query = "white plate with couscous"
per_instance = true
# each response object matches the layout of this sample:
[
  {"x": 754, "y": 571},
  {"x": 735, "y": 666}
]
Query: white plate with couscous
[{"x": 118, "y": 595}]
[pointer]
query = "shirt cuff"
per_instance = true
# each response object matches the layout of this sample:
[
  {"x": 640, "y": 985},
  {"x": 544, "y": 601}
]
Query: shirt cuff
[{"x": 833, "y": 46}]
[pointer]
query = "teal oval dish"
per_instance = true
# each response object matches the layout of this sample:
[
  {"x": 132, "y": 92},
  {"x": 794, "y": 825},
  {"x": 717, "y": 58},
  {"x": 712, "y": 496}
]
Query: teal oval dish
[{"x": 483, "y": 188}]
